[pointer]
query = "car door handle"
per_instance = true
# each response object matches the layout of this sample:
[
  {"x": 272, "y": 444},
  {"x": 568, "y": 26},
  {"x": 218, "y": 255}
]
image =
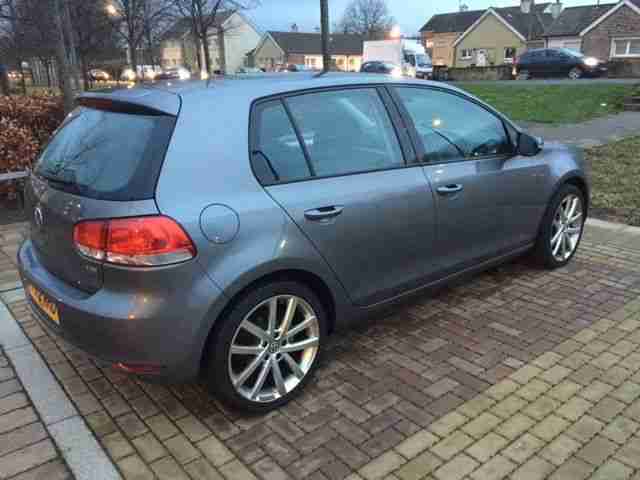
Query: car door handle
[
  {"x": 449, "y": 189},
  {"x": 323, "y": 213}
]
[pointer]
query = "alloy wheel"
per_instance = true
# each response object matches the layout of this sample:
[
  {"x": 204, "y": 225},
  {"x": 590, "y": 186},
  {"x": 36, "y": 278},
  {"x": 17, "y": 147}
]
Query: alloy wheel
[
  {"x": 566, "y": 227},
  {"x": 273, "y": 348}
]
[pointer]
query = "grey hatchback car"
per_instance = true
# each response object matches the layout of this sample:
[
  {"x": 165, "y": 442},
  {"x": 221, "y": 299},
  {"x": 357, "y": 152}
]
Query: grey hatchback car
[{"x": 224, "y": 229}]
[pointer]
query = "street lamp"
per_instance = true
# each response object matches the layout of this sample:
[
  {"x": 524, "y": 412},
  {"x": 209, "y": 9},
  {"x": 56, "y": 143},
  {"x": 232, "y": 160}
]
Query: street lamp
[{"x": 111, "y": 10}]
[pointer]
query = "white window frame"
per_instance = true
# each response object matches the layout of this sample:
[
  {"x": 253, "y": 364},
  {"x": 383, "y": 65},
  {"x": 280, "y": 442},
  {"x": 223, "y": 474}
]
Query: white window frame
[
  {"x": 510, "y": 59},
  {"x": 468, "y": 57},
  {"x": 624, "y": 55}
]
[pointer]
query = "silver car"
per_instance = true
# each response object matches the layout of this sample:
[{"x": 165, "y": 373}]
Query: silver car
[{"x": 224, "y": 229}]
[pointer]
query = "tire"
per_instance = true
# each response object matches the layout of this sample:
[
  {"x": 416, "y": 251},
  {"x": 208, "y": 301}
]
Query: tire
[
  {"x": 544, "y": 252},
  {"x": 575, "y": 73},
  {"x": 255, "y": 306}
]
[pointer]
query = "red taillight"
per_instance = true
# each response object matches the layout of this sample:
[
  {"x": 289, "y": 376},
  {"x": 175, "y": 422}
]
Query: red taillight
[{"x": 141, "y": 241}]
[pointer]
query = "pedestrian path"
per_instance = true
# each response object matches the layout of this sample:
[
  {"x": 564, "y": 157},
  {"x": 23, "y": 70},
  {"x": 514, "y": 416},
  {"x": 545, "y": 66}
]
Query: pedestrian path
[{"x": 591, "y": 133}]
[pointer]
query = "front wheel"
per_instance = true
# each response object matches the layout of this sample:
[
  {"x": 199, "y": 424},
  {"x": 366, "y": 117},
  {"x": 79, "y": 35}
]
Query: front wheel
[
  {"x": 575, "y": 73},
  {"x": 267, "y": 347},
  {"x": 562, "y": 228}
]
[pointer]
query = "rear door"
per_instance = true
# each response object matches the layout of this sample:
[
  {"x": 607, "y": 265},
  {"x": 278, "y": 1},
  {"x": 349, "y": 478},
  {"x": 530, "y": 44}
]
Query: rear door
[
  {"x": 488, "y": 200},
  {"x": 537, "y": 63},
  {"x": 334, "y": 160},
  {"x": 99, "y": 164}
]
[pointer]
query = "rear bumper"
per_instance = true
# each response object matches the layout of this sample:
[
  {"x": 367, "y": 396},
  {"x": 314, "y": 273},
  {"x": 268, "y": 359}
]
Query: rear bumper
[{"x": 159, "y": 323}]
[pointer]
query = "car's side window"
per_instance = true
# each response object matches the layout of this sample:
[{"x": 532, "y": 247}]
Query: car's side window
[
  {"x": 277, "y": 155},
  {"x": 453, "y": 128},
  {"x": 346, "y": 131}
]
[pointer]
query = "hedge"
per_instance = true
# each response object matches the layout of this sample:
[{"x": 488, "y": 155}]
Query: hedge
[{"x": 26, "y": 123}]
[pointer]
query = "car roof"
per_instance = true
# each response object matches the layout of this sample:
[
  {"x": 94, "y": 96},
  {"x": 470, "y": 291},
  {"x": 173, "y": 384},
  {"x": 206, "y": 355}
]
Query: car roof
[{"x": 256, "y": 86}]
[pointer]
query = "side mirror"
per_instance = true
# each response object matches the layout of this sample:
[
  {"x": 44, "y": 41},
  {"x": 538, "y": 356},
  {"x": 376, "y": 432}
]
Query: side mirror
[{"x": 528, "y": 145}]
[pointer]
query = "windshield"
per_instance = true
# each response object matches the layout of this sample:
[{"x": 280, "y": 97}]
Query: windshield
[
  {"x": 573, "y": 53},
  {"x": 422, "y": 60},
  {"x": 107, "y": 155}
]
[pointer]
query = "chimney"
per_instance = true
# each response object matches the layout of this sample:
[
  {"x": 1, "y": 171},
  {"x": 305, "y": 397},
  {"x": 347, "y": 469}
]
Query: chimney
[
  {"x": 556, "y": 9},
  {"x": 525, "y": 6}
]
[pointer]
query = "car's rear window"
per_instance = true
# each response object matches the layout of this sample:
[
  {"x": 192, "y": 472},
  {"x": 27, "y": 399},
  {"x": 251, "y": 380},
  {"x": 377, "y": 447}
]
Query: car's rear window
[{"x": 107, "y": 155}]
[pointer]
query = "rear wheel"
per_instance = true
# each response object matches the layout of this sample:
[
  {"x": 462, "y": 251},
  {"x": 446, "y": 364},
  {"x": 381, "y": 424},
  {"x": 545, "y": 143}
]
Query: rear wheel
[
  {"x": 267, "y": 347},
  {"x": 575, "y": 73},
  {"x": 562, "y": 228}
]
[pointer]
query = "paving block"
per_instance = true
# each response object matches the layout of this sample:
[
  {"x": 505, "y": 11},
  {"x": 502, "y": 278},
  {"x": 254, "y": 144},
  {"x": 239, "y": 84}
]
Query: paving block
[
  {"x": 535, "y": 469},
  {"x": 495, "y": 469},
  {"x": 416, "y": 444},
  {"x": 523, "y": 448},
  {"x": 457, "y": 468},
  {"x": 452, "y": 444},
  {"x": 620, "y": 429},
  {"x": 419, "y": 467},
  {"x": 597, "y": 450},
  {"x": 560, "y": 449},
  {"x": 550, "y": 428},
  {"x": 487, "y": 447},
  {"x": 481, "y": 425}
]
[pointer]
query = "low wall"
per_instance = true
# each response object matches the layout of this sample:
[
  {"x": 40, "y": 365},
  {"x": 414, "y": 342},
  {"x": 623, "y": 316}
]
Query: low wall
[
  {"x": 628, "y": 68},
  {"x": 501, "y": 72}
]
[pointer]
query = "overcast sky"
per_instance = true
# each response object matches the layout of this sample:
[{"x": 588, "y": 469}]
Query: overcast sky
[{"x": 410, "y": 14}]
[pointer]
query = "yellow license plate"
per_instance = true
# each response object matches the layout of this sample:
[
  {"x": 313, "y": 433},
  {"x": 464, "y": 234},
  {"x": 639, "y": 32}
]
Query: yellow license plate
[{"x": 46, "y": 305}]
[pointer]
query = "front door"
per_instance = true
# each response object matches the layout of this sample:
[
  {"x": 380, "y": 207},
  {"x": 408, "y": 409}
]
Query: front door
[
  {"x": 488, "y": 200},
  {"x": 341, "y": 175}
]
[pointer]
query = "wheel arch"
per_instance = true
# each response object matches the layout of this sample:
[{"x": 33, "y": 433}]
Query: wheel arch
[
  {"x": 574, "y": 178},
  {"x": 305, "y": 277}
]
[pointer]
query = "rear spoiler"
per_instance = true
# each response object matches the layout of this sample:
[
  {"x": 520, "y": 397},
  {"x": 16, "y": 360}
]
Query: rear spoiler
[{"x": 138, "y": 101}]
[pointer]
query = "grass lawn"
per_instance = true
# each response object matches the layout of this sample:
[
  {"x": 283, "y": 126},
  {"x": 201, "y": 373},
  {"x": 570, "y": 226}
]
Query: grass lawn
[
  {"x": 615, "y": 170},
  {"x": 552, "y": 103}
]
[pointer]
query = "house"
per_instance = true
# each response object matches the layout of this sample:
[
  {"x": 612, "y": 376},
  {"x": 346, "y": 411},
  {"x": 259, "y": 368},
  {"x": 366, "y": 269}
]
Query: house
[
  {"x": 285, "y": 48},
  {"x": 442, "y": 30},
  {"x": 499, "y": 35},
  {"x": 232, "y": 37},
  {"x": 608, "y": 32}
]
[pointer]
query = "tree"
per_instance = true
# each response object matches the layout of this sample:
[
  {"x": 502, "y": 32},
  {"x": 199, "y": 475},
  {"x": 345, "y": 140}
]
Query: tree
[
  {"x": 205, "y": 16},
  {"x": 369, "y": 18},
  {"x": 93, "y": 32},
  {"x": 130, "y": 19}
]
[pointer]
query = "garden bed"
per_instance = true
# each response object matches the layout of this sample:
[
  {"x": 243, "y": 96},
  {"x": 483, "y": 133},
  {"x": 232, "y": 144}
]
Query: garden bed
[{"x": 615, "y": 170}]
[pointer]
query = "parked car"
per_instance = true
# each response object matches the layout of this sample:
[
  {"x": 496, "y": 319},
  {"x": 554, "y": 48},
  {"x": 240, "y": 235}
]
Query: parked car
[
  {"x": 248, "y": 70},
  {"x": 293, "y": 67},
  {"x": 381, "y": 67},
  {"x": 230, "y": 245},
  {"x": 557, "y": 62},
  {"x": 178, "y": 73},
  {"x": 97, "y": 75}
]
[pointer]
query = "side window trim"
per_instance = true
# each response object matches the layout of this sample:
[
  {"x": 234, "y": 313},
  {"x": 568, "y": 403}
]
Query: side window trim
[
  {"x": 300, "y": 138},
  {"x": 401, "y": 128},
  {"x": 419, "y": 145},
  {"x": 408, "y": 146}
]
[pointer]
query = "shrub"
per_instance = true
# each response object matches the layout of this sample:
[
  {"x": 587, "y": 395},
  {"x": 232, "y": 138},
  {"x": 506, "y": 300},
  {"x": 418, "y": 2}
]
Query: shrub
[{"x": 26, "y": 123}]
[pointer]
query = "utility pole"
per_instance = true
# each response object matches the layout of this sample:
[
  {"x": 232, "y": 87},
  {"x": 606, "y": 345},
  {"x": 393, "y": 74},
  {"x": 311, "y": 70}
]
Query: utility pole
[
  {"x": 62, "y": 59},
  {"x": 324, "y": 25},
  {"x": 532, "y": 16}
]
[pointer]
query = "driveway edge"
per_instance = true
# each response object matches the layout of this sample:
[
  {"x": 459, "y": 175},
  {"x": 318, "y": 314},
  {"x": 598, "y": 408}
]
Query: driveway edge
[{"x": 84, "y": 456}]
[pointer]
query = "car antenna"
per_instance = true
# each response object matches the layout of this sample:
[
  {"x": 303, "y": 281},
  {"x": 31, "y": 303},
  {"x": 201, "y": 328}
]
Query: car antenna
[{"x": 324, "y": 26}]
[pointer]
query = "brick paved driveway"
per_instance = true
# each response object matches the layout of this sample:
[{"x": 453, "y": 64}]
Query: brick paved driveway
[
  {"x": 26, "y": 449},
  {"x": 512, "y": 373}
]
